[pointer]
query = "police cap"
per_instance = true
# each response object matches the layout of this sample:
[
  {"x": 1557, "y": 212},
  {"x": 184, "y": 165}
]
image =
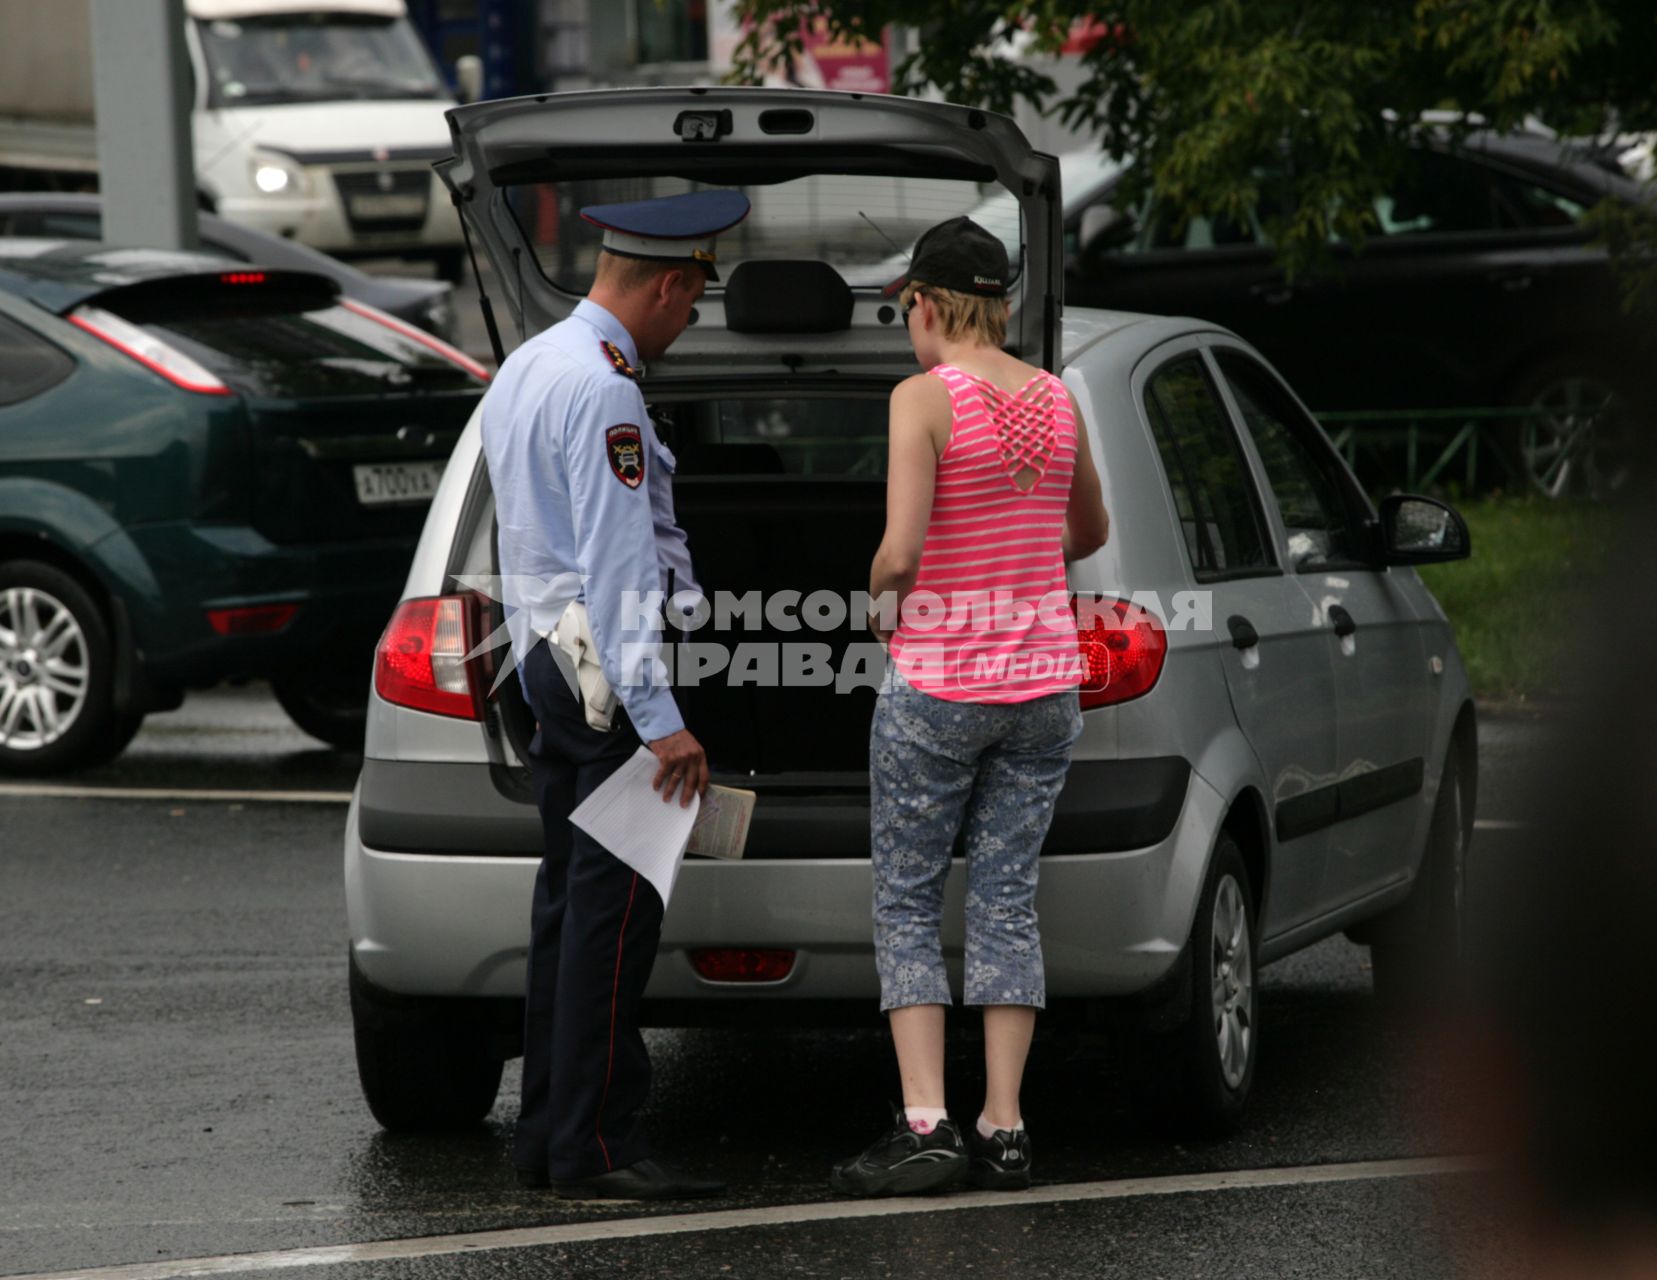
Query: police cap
[{"x": 669, "y": 228}]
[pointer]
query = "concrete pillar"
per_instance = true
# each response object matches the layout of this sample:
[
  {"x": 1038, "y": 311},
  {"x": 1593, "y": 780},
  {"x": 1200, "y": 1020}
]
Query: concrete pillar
[{"x": 142, "y": 94}]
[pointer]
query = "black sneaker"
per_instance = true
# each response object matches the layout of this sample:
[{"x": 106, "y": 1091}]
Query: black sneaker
[
  {"x": 1000, "y": 1162},
  {"x": 903, "y": 1162}
]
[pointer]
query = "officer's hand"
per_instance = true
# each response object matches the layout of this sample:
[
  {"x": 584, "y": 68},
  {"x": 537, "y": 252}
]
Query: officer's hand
[{"x": 684, "y": 763}]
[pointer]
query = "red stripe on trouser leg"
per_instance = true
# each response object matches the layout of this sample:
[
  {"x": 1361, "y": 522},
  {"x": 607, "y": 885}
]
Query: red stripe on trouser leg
[{"x": 615, "y": 989}]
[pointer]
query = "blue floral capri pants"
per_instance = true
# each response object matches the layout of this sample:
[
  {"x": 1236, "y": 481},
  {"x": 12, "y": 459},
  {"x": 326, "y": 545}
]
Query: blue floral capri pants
[{"x": 990, "y": 772}]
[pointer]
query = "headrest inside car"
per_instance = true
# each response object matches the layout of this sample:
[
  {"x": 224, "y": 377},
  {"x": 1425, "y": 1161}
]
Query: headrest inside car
[{"x": 787, "y": 296}]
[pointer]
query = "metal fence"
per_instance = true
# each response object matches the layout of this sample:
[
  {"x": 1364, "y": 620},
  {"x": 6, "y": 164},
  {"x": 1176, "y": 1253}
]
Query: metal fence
[
  {"x": 1464, "y": 450},
  {"x": 1472, "y": 451}
]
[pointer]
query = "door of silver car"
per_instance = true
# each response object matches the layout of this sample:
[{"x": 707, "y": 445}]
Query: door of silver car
[
  {"x": 1278, "y": 667},
  {"x": 1383, "y": 691}
]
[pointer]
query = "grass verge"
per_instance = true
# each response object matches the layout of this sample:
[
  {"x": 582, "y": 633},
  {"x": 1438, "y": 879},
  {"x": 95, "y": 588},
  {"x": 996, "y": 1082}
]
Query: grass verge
[{"x": 1530, "y": 556}]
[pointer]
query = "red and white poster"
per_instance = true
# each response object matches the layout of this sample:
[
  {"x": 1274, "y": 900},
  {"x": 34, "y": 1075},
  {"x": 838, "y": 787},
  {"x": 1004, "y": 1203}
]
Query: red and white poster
[{"x": 853, "y": 66}]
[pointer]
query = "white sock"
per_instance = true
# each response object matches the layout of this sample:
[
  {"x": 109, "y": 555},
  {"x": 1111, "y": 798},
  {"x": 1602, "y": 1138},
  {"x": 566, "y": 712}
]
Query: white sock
[
  {"x": 925, "y": 1119},
  {"x": 987, "y": 1130}
]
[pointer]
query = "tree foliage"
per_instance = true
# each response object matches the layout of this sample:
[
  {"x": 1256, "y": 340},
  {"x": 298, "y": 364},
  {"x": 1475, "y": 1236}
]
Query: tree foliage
[{"x": 1297, "y": 109}]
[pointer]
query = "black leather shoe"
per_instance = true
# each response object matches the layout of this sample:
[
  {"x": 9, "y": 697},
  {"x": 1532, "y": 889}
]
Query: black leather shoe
[{"x": 646, "y": 1180}]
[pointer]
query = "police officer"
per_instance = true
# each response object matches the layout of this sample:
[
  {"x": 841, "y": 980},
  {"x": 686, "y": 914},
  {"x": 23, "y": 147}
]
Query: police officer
[{"x": 584, "y": 503}]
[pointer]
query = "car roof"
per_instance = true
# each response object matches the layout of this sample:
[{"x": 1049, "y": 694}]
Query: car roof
[
  {"x": 250, "y": 243},
  {"x": 61, "y": 274}
]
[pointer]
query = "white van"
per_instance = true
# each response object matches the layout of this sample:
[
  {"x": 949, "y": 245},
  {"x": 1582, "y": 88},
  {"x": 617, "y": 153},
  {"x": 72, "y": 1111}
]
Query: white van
[{"x": 314, "y": 121}]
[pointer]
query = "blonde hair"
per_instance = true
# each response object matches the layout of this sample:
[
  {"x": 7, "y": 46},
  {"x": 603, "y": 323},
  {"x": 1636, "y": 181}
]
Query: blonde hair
[
  {"x": 962, "y": 315},
  {"x": 625, "y": 274}
]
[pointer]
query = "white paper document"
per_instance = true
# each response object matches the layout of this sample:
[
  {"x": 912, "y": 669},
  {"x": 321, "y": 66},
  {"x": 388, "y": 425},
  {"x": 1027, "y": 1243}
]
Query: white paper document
[{"x": 631, "y": 820}]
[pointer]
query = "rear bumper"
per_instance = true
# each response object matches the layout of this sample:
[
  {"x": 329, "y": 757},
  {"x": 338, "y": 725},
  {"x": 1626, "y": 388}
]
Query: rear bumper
[
  {"x": 1108, "y": 806},
  {"x": 452, "y": 924},
  {"x": 345, "y": 592}
]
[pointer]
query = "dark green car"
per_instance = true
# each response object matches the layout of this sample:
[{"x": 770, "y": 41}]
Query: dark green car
[{"x": 207, "y": 472}]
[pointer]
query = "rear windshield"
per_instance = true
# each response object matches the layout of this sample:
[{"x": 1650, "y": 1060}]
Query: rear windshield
[
  {"x": 325, "y": 352},
  {"x": 862, "y": 226},
  {"x": 776, "y": 437}
]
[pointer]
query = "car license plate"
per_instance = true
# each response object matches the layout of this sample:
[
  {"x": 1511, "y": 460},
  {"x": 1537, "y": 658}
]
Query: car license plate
[
  {"x": 388, "y": 206},
  {"x": 383, "y": 483}
]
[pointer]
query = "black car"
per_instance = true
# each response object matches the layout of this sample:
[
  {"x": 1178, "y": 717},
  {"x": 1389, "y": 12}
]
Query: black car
[
  {"x": 1481, "y": 287},
  {"x": 57, "y": 216}
]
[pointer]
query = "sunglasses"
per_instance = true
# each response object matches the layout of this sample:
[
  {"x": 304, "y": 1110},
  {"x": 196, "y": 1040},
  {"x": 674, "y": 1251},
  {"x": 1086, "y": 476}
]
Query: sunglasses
[{"x": 913, "y": 299}]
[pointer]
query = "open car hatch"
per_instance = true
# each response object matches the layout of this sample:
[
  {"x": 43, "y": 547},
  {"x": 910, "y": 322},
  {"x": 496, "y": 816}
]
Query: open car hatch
[{"x": 845, "y": 181}]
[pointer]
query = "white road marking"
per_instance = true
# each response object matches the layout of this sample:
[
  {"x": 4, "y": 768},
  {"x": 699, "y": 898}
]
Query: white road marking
[
  {"x": 1497, "y": 824},
  {"x": 50, "y": 791},
  {"x": 778, "y": 1215}
]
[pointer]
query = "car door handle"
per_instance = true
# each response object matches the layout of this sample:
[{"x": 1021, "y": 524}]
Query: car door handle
[
  {"x": 1243, "y": 634},
  {"x": 1344, "y": 623},
  {"x": 1273, "y": 295}
]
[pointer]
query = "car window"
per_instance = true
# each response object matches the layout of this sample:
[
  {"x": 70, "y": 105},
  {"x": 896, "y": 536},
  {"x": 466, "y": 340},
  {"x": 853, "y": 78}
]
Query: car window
[
  {"x": 1436, "y": 194},
  {"x": 28, "y": 365},
  {"x": 55, "y": 224},
  {"x": 1203, "y": 462},
  {"x": 1168, "y": 229},
  {"x": 862, "y": 225},
  {"x": 1321, "y": 524}
]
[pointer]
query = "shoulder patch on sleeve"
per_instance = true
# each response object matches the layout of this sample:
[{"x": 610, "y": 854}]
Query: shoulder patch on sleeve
[{"x": 624, "y": 447}]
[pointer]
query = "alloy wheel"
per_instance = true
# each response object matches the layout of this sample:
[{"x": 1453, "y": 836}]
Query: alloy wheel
[
  {"x": 45, "y": 669},
  {"x": 1577, "y": 439},
  {"x": 1232, "y": 983}
]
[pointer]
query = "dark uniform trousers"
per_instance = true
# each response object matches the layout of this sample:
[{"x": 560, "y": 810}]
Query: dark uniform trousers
[{"x": 594, "y": 931}]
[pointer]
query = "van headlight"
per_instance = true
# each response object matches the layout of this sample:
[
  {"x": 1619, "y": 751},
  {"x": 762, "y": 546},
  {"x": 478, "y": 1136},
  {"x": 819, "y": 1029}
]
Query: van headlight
[{"x": 278, "y": 175}]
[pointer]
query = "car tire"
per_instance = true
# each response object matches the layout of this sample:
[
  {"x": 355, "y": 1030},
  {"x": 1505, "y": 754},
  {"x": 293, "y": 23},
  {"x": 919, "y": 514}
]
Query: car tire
[
  {"x": 424, "y": 1067},
  {"x": 1209, "y": 1061},
  {"x": 1416, "y": 949},
  {"x": 1584, "y": 439},
  {"x": 57, "y": 674},
  {"x": 334, "y": 711}
]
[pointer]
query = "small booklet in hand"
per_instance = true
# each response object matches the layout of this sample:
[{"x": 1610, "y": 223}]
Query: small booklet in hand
[{"x": 721, "y": 829}]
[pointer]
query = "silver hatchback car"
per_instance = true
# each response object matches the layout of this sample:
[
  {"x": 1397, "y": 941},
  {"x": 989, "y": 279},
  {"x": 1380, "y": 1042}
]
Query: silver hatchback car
[{"x": 1279, "y": 737}]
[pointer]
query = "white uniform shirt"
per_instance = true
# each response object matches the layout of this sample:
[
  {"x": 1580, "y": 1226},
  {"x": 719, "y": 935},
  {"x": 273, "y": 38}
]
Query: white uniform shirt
[{"x": 584, "y": 501}]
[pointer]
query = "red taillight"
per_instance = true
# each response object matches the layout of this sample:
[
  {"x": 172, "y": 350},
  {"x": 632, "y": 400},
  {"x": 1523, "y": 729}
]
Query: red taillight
[
  {"x": 742, "y": 964},
  {"x": 149, "y": 350},
  {"x": 1122, "y": 646},
  {"x": 452, "y": 354},
  {"x": 253, "y": 620},
  {"x": 421, "y": 662},
  {"x": 242, "y": 277}
]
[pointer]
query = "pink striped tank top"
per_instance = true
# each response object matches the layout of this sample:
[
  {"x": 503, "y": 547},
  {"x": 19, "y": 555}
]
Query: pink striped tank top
[{"x": 989, "y": 618}]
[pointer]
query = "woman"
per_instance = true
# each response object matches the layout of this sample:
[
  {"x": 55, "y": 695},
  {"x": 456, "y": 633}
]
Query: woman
[{"x": 991, "y": 489}]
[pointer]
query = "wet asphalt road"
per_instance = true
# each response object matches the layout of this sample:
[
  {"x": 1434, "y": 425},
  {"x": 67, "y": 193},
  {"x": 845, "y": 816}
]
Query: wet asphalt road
[{"x": 179, "y": 1079}]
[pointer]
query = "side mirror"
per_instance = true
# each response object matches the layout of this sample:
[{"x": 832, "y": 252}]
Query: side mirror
[
  {"x": 1417, "y": 530},
  {"x": 469, "y": 77},
  {"x": 1104, "y": 227}
]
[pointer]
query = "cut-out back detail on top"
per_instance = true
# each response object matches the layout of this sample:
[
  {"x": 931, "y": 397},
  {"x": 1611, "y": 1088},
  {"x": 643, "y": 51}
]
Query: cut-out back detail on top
[
  {"x": 993, "y": 558},
  {"x": 1026, "y": 434}
]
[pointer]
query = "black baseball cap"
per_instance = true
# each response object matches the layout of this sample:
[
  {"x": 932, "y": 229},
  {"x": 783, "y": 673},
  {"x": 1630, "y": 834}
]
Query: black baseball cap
[{"x": 958, "y": 255}]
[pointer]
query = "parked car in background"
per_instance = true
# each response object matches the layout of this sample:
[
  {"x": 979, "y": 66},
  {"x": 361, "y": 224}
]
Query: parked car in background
[
  {"x": 1480, "y": 287},
  {"x": 52, "y": 215},
  {"x": 207, "y": 471},
  {"x": 1294, "y": 756}
]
